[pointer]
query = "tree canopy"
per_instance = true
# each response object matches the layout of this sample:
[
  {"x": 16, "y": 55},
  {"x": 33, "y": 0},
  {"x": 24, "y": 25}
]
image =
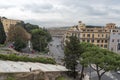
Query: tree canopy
[
  {"x": 102, "y": 60},
  {"x": 16, "y": 31},
  {"x": 19, "y": 36},
  {"x": 26, "y": 31},
  {"x": 72, "y": 52},
  {"x": 39, "y": 39},
  {"x": 28, "y": 27}
]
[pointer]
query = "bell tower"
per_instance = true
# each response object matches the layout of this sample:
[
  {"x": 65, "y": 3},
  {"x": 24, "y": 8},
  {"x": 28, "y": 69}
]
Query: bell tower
[{"x": 81, "y": 25}]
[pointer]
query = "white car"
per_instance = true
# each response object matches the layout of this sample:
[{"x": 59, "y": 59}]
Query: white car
[{"x": 118, "y": 72}]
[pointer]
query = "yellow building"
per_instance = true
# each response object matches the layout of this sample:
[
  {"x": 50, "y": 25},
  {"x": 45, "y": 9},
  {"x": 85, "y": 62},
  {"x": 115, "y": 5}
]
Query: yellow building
[
  {"x": 8, "y": 22},
  {"x": 98, "y": 35}
]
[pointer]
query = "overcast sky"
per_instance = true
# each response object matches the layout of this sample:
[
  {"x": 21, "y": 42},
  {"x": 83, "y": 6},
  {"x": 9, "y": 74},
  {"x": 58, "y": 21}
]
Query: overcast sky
[{"x": 51, "y": 13}]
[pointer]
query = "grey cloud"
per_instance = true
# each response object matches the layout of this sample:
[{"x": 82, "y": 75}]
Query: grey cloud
[
  {"x": 113, "y": 10},
  {"x": 6, "y": 6},
  {"x": 67, "y": 12},
  {"x": 57, "y": 23},
  {"x": 91, "y": 11},
  {"x": 38, "y": 7}
]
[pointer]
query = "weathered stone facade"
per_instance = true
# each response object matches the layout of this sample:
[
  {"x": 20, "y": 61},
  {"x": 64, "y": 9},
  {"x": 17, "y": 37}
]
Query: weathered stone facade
[
  {"x": 7, "y": 22},
  {"x": 34, "y": 75}
]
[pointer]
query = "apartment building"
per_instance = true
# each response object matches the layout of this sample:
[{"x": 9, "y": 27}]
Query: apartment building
[
  {"x": 98, "y": 35},
  {"x": 114, "y": 43}
]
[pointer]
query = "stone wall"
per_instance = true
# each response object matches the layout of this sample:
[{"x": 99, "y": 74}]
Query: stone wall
[{"x": 35, "y": 75}]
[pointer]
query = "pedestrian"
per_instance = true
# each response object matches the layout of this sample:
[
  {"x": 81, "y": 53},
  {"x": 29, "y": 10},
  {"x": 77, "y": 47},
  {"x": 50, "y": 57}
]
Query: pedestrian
[{"x": 30, "y": 69}]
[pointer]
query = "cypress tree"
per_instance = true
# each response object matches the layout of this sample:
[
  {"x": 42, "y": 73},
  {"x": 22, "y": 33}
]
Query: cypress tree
[
  {"x": 72, "y": 53},
  {"x": 2, "y": 34}
]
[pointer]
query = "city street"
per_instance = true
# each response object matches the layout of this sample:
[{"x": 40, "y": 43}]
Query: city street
[
  {"x": 55, "y": 50},
  {"x": 58, "y": 54},
  {"x": 107, "y": 76}
]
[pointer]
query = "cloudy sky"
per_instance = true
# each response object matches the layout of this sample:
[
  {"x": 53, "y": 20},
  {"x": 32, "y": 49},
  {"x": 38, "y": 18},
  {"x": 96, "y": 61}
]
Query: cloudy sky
[{"x": 52, "y": 13}]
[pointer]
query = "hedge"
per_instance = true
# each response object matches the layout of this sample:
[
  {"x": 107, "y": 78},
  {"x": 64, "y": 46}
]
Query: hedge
[{"x": 14, "y": 57}]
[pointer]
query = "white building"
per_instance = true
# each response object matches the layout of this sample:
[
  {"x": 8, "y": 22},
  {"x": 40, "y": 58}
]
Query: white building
[{"x": 114, "y": 43}]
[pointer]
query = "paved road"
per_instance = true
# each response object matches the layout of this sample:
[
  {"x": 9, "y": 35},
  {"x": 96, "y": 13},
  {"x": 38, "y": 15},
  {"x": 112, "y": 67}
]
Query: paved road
[
  {"x": 107, "y": 76},
  {"x": 55, "y": 49}
]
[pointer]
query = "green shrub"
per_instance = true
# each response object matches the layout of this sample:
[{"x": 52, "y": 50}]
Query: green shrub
[
  {"x": 14, "y": 57},
  {"x": 10, "y": 78},
  {"x": 60, "y": 78}
]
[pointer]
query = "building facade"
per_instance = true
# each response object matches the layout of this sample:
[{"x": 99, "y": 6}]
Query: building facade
[
  {"x": 98, "y": 35},
  {"x": 114, "y": 43},
  {"x": 8, "y": 22}
]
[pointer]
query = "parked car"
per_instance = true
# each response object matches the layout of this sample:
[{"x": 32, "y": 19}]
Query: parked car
[{"x": 118, "y": 72}]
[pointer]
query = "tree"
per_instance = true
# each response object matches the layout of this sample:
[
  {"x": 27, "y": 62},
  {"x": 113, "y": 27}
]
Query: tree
[
  {"x": 38, "y": 39},
  {"x": 48, "y": 36},
  {"x": 103, "y": 60},
  {"x": 72, "y": 52},
  {"x": 84, "y": 63},
  {"x": 16, "y": 31},
  {"x": 40, "y": 36},
  {"x": 28, "y": 27},
  {"x": 2, "y": 34},
  {"x": 19, "y": 36},
  {"x": 19, "y": 44}
]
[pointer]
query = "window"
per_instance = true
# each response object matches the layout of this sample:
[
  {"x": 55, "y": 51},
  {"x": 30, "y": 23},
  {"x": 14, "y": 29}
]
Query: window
[
  {"x": 83, "y": 30},
  {"x": 92, "y": 35},
  {"x": 118, "y": 40},
  {"x": 113, "y": 33},
  {"x": 83, "y": 35},
  {"x": 118, "y": 33},
  {"x": 106, "y": 35},
  {"x": 98, "y": 35},
  {"x": 92, "y": 41},
  {"x": 105, "y": 46},
  {"x": 83, "y": 40},
  {"x": 105, "y": 41},
  {"x": 111, "y": 49},
  {"x": 91, "y": 30},
  {"x": 98, "y": 41},
  {"x": 102, "y": 41},
  {"x": 88, "y": 35},
  {"x": 112, "y": 40},
  {"x": 67, "y": 37},
  {"x": 88, "y": 40},
  {"x": 102, "y": 35},
  {"x": 118, "y": 46},
  {"x": 101, "y": 45}
]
